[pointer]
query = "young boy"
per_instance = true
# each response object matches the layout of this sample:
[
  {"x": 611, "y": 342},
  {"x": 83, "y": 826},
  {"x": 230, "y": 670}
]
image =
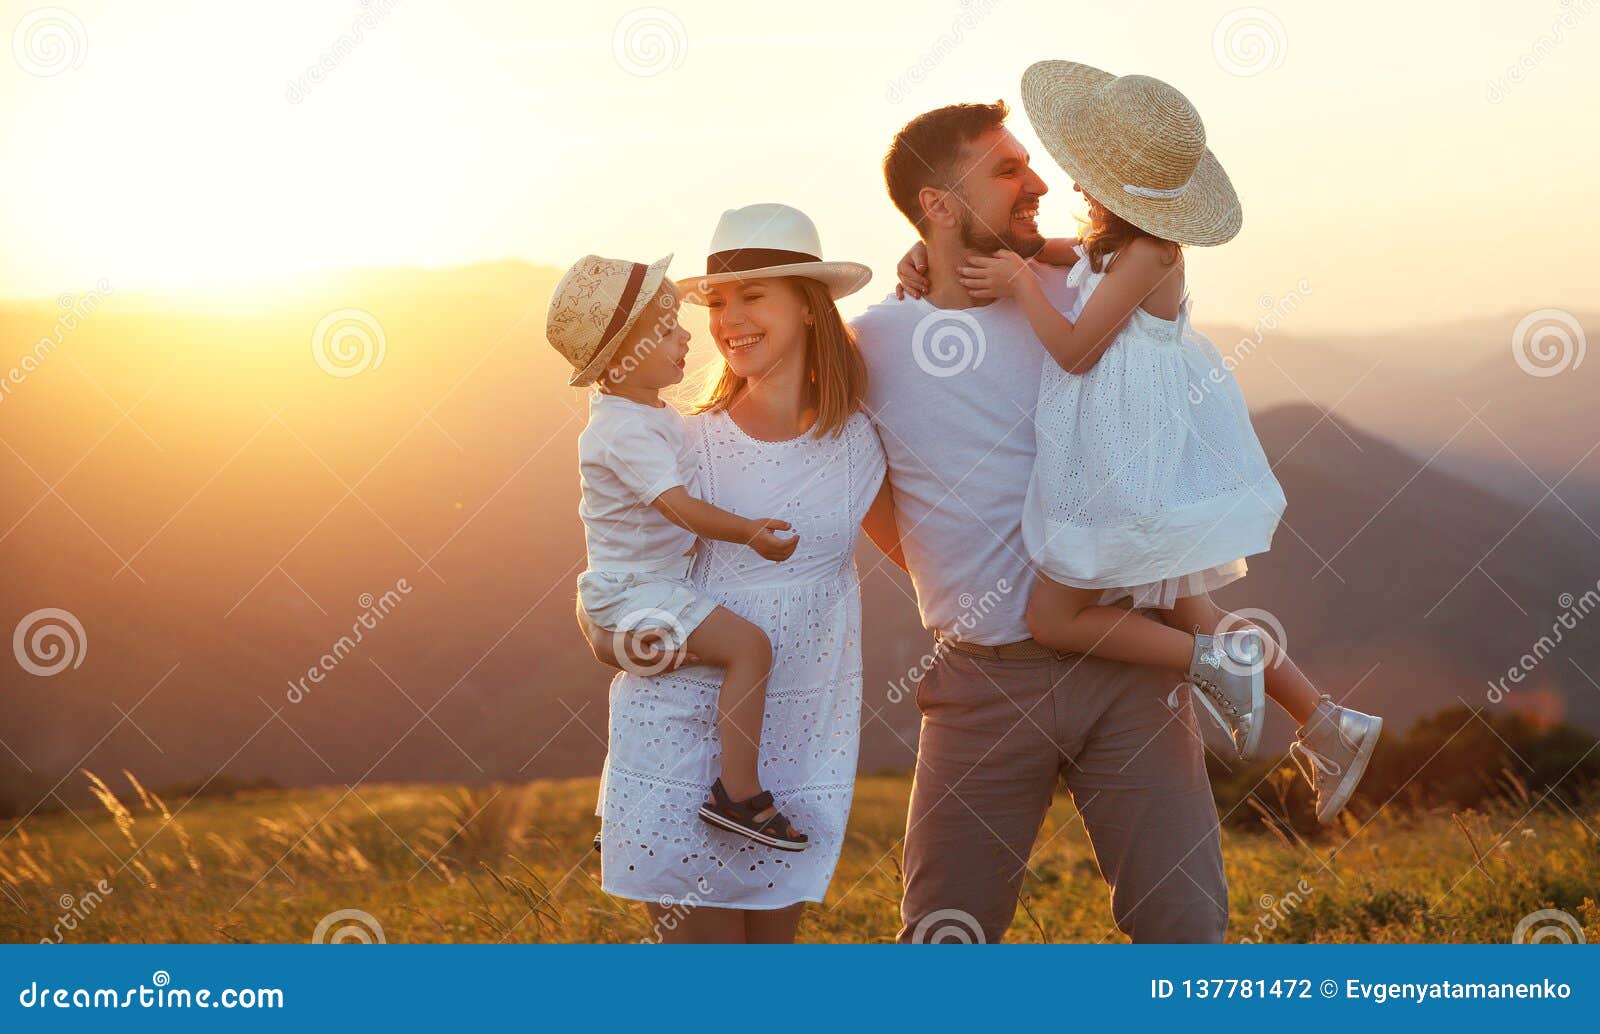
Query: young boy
[{"x": 617, "y": 323}]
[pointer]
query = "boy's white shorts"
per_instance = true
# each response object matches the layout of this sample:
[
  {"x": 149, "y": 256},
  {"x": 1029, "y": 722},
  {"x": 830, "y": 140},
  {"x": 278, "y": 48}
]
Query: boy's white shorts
[{"x": 632, "y": 601}]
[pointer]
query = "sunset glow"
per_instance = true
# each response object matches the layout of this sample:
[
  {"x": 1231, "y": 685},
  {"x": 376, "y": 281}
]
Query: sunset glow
[{"x": 172, "y": 155}]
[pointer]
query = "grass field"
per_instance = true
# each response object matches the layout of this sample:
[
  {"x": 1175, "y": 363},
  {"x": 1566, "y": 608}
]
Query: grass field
[{"x": 515, "y": 864}]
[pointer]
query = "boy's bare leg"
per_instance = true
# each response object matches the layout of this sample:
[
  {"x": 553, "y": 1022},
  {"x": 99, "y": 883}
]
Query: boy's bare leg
[
  {"x": 1284, "y": 680},
  {"x": 1066, "y": 618},
  {"x": 744, "y": 654}
]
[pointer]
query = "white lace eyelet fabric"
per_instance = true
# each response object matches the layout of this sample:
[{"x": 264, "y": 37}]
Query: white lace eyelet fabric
[
  {"x": 1150, "y": 482},
  {"x": 664, "y": 745}
]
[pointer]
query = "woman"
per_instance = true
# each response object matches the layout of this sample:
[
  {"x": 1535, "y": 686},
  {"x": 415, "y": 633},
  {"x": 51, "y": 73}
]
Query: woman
[{"x": 781, "y": 434}]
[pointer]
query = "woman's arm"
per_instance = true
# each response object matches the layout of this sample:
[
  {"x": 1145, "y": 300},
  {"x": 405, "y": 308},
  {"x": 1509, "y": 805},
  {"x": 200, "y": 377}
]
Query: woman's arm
[
  {"x": 642, "y": 649},
  {"x": 600, "y": 641},
  {"x": 880, "y": 526},
  {"x": 1140, "y": 269}
]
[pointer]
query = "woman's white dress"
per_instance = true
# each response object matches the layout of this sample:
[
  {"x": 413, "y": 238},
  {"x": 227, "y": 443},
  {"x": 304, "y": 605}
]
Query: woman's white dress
[
  {"x": 1150, "y": 482},
  {"x": 664, "y": 746}
]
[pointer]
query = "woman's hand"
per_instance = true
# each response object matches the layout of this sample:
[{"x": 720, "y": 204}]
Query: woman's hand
[
  {"x": 642, "y": 650},
  {"x": 1005, "y": 274},
  {"x": 913, "y": 273}
]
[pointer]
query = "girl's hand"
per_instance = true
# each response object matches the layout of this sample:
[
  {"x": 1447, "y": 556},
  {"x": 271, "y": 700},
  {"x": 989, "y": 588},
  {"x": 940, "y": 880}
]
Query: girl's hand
[
  {"x": 765, "y": 541},
  {"x": 913, "y": 273},
  {"x": 1002, "y": 275}
]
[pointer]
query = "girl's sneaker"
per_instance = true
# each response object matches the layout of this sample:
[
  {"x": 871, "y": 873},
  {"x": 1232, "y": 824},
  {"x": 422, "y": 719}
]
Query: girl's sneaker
[
  {"x": 1227, "y": 670},
  {"x": 1337, "y": 742}
]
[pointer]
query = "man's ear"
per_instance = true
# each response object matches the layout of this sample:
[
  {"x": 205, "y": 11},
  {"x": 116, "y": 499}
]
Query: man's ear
[{"x": 939, "y": 206}]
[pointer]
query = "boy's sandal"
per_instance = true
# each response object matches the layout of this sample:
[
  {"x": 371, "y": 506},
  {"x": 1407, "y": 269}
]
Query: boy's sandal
[{"x": 739, "y": 817}]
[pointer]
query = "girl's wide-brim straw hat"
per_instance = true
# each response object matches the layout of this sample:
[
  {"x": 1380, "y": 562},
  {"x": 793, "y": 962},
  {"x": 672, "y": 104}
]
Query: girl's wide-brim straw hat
[
  {"x": 1137, "y": 146},
  {"x": 769, "y": 240},
  {"x": 593, "y": 307}
]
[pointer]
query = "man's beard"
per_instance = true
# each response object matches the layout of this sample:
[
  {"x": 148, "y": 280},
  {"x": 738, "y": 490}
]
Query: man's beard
[{"x": 975, "y": 236}]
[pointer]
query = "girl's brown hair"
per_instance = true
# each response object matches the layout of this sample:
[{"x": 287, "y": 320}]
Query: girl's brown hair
[
  {"x": 1108, "y": 232},
  {"x": 836, "y": 375}
]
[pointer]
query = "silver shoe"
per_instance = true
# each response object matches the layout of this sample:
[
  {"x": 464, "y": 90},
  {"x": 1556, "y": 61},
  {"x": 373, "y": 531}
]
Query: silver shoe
[
  {"x": 1227, "y": 670},
  {"x": 1336, "y": 744}
]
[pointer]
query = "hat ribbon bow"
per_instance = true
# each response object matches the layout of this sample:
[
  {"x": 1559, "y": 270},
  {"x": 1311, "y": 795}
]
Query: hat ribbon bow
[{"x": 1156, "y": 193}]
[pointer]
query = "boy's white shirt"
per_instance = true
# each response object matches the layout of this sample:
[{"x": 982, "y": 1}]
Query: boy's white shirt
[{"x": 628, "y": 454}]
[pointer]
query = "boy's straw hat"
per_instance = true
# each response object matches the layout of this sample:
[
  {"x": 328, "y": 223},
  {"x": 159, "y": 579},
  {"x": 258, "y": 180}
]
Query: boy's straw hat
[
  {"x": 1137, "y": 145},
  {"x": 594, "y": 305},
  {"x": 767, "y": 241}
]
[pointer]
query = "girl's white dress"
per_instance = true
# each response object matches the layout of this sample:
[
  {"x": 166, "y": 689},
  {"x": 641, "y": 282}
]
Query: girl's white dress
[
  {"x": 1150, "y": 482},
  {"x": 664, "y": 745}
]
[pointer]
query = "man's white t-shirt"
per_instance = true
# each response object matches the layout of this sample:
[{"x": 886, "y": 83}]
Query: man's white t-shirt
[
  {"x": 628, "y": 454},
  {"x": 952, "y": 394}
]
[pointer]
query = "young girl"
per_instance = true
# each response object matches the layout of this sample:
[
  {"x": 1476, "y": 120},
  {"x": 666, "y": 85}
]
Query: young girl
[
  {"x": 1150, "y": 486},
  {"x": 617, "y": 323}
]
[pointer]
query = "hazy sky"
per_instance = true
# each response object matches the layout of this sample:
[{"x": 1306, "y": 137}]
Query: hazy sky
[{"x": 1383, "y": 151}]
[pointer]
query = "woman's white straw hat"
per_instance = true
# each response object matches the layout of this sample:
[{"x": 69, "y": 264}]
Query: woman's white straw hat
[
  {"x": 1137, "y": 146},
  {"x": 594, "y": 305},
  {"x": 770, "y": 240}
]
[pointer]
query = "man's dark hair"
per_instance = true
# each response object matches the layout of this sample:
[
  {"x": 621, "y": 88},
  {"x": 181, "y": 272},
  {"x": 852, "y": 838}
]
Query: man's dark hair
[{"x": 925, "y": 151}]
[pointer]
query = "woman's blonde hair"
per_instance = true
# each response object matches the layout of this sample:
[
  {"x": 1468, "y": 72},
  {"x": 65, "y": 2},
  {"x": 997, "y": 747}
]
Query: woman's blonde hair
[{"x": 836, "y": 375}]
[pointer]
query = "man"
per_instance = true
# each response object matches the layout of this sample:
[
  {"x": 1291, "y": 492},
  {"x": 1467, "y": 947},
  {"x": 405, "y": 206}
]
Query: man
[{"x": 952, "y": 390}]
